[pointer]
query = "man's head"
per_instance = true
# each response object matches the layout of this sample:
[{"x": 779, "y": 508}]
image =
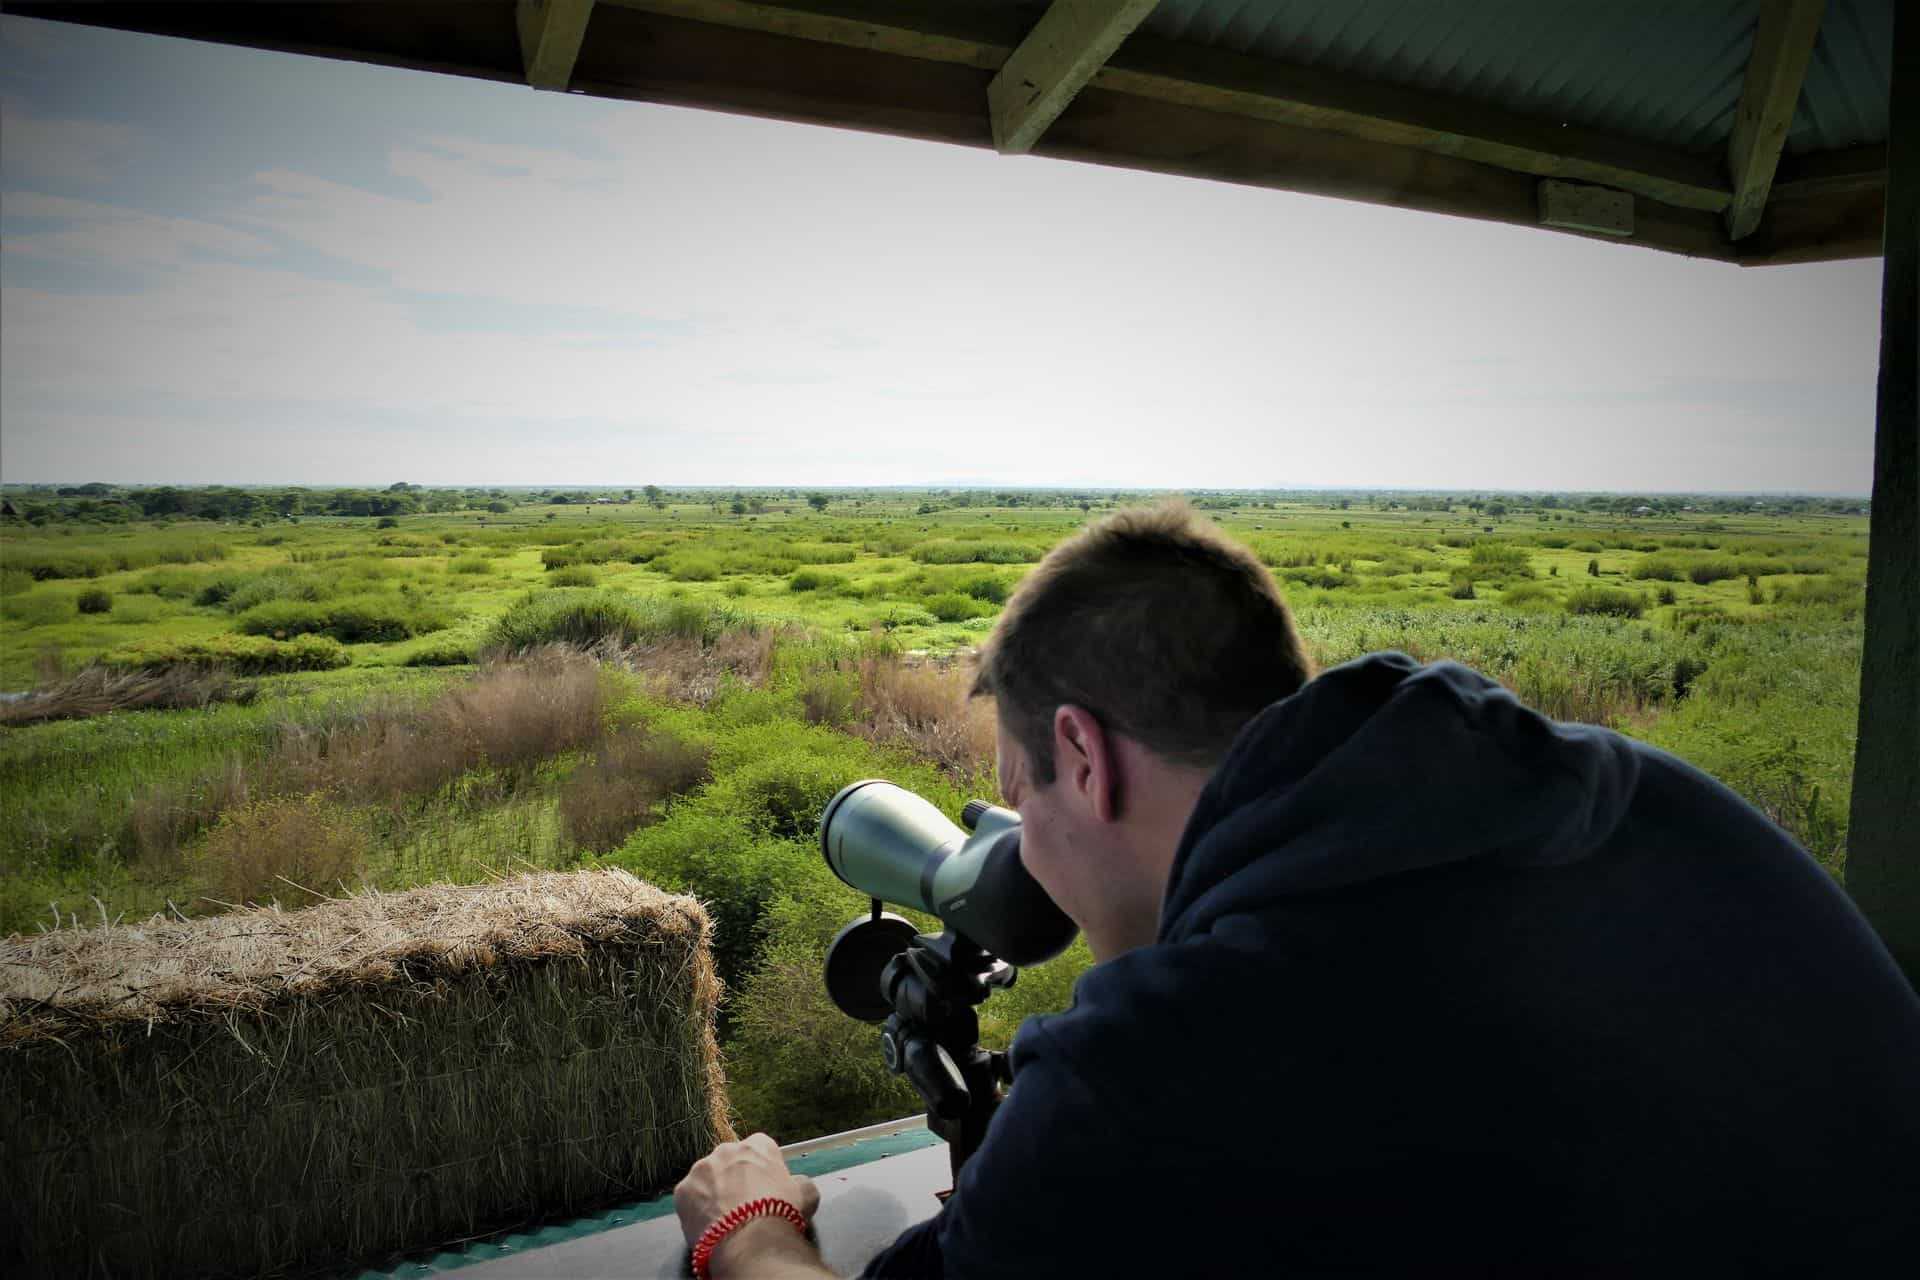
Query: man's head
[{"x": 1122, "y": 669}]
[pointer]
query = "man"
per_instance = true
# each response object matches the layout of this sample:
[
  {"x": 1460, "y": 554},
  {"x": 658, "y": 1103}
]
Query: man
[{"x": 1392, "y": 974}]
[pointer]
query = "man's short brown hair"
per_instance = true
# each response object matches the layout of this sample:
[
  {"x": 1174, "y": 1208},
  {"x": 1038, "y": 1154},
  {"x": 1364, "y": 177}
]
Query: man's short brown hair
[{"x": 1155, "y": 621}]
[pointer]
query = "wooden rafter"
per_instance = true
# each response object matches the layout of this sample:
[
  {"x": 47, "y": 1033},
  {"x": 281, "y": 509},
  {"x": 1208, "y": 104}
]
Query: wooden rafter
[
  {"x": 1782, "y": 44},
  {"x": 1072, "y": 40},
  {"x": 921, "y": 69},
  {"x": 550, "y": 36},
  {"x": 1220, "y": 80}
]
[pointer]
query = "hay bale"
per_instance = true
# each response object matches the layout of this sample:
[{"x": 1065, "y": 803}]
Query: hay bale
[{"x": 270, "y": 1090}]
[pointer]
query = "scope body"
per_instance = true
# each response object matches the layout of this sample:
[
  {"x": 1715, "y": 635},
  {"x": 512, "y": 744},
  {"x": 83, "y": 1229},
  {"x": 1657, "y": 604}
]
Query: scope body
[{"x": 894, "y": 845}]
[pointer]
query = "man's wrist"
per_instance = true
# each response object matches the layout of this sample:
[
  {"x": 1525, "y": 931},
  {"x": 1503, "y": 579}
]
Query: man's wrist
[{"x": 750, "y": 1248}]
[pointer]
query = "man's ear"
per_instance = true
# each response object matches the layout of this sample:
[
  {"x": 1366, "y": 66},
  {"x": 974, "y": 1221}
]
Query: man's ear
[{"x": 1083, "y": 760}]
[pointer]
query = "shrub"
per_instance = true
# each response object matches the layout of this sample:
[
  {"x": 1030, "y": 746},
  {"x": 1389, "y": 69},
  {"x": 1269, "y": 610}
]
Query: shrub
[
  {"x": 244, "y": 655},
  {"x": 573, "y": 576},
  {"x": 357, "y": 620},
  {"x": 582, "y": 619},
  {"x": 286, "y": 850},
  {"x": 956, "y": 607},
  {"x": 245, "y": 592},
  {"x": 1845, "y": 594},
  {"x": 386, "y": 522},
  {"x": 1461, "y": 587},
  {"x": 469, "y": 564},
  {"x": 441, "y": 653},
  {"x": 1660, "y": 569},
  {"x": 814, "y": 580},
  {"x": 1499, "y": 560},
  {"x": 1703, "y": 572},
  {"x": 949, "y": 551},
  {"x": 1608, "y": 601},
  {"x": 986, "y": 587},
  {"x": 797, "y": 1066},
  {"x": 14, "y": 581},
  {"x": 94, "y": 600},
  {"x": 1593, "y": 568},
  {"x": 620, "y": 790},
  {"x": 1528, "y": 595},
  {"x": 1667, "y": 596}
]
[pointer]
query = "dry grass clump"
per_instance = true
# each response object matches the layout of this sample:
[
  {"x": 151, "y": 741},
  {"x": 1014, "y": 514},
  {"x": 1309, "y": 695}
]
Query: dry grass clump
[
  {"x": 925, "y": 707},
  {"x": 163, "y": 818},
  {"x": 265, "y": 1090},
  {"x": 688, "y": 668},
  {"x": 96, "y": 690},
  {"x": 620, "y": 789},
  {"x": 291, "y": 850},
  {"x": 516, "y": 715}
]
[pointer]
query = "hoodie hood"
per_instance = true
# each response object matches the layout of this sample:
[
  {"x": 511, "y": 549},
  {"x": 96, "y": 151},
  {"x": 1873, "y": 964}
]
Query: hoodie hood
[{"x": 1381, "y": 767}]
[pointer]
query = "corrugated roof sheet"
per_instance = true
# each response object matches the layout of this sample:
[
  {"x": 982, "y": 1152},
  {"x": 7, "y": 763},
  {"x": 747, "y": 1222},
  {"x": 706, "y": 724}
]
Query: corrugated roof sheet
[
  {"x": 1844, "y": 101},
  {"x": 1667, "y": 72}
]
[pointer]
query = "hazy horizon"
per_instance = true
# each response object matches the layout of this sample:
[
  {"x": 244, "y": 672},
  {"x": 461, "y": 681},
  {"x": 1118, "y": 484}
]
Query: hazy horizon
[{"x": 459, "y": 278}]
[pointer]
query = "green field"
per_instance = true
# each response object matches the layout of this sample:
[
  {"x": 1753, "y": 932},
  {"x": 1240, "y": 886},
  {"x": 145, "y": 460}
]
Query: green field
[{"x": 751, "y": 654}]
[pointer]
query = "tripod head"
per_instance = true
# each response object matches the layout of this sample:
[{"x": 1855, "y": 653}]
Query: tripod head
[{"x": 928, "y": 994}]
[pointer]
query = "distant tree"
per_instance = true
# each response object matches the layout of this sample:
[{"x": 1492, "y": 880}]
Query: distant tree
[
  {"x": 498, "y": 507},
  {"x": 738, "y": 506},
  {"x": 654, "y": 495},
  {"x": 818, "y": 501},
  {"x": 1496, "y": 508}
]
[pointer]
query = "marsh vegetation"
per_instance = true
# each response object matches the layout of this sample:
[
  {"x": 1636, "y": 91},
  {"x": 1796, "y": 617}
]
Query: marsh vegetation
[{"x": 269, "y": 705}]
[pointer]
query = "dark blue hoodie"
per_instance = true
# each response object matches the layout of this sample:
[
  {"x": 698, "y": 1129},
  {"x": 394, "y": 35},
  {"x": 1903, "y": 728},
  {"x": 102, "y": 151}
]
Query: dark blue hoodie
[{"x": 1443, "y": 985}]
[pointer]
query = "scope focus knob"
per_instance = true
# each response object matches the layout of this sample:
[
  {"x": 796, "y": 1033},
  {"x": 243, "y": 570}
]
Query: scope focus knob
[{"x": 975, "y": 810}]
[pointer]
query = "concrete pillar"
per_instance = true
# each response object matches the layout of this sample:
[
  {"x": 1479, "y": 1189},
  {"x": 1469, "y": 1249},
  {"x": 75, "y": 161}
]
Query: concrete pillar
[{"x": 1883, "y": 840}]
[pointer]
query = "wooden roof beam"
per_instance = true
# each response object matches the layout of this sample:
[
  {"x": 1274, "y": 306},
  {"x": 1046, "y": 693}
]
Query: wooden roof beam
[
  {"x": 550, "y": 36},
  {"x": 1219, "y": 80},
  {"x": 1072, "y": 40},
  {"x": 1782, "y": 45}
]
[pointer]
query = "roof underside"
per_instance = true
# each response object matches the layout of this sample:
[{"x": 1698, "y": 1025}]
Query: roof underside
[{"x": 1451, "y": 106}]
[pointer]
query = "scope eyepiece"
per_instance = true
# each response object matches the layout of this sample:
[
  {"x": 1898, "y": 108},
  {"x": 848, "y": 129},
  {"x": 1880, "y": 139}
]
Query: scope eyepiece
[{"x": 896, "y": 846}]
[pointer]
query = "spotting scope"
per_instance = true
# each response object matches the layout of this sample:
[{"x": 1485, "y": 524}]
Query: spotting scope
[{"x": 895, "y": 846}]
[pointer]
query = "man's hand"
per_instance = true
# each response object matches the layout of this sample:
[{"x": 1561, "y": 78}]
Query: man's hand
[{"x": 735, "y": 1173}]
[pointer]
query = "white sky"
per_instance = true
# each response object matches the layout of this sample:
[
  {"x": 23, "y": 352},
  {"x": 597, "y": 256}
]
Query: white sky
[{"x": 225, "y": 265}]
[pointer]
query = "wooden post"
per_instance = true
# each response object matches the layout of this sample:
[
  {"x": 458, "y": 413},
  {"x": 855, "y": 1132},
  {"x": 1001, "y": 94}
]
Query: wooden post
[{"x": 1883, "y": 840}]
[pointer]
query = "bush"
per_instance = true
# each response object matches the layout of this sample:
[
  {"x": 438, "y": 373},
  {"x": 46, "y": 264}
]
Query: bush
[
  {"x": 469, "y": 564},
  {"x": 1608, "y": 601},
  {"x": 244, "y": 655},
  {"x": 1528, "y": 595},
  {"x": 1705, "y": 571},
  {"x": 814, "y": 580},
  {"x": 386, "y": 522},
  {"x": 441, "y": 653},
  {"x": 956, "y": 607},
  {"x": 573, "y": 576},
  {"x": 284, "y": 850},
  {"x": 620, "y": 790},
  {"x": 949, "y": 551},
  {"x": 1659, "y": 569},
  {"x": 14, "y": 581},
  {"x": 986, "y": 587},
  {"x": 582, "y": 619},
  {"x": 797, "y": 1066},
  {"x": 94, "y": 600},
  {"x": 1489, "y": 559},
  {"x": 357, "y": 620}
]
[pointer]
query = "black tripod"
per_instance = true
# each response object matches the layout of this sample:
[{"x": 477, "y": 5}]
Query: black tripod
[{"x": 932, "y": 1036}]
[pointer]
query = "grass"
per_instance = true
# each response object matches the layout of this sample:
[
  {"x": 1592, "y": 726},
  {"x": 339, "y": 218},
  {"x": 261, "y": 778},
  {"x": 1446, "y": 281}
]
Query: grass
[{"x": 741, "y": 669}]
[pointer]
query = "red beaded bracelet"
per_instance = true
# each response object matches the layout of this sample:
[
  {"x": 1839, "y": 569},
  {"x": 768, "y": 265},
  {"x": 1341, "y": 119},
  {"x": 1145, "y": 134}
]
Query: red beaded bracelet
[{"x": 764, "y": 1207}]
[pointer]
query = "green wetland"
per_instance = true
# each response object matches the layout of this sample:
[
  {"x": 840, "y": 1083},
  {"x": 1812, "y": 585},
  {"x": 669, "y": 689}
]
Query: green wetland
[{"x": 260, "y": 708}]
